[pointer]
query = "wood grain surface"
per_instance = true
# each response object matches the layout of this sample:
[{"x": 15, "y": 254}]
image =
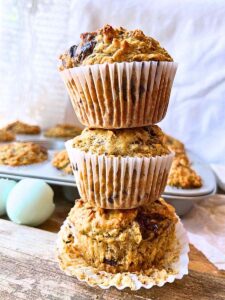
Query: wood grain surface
[{"x": 29, "y": 271}]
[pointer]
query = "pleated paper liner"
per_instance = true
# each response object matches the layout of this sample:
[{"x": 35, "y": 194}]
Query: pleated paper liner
[
  {"x": 120, "y": 95},
  {"x": 119, "y": 182},
  {"x": 74, "y": 265}
]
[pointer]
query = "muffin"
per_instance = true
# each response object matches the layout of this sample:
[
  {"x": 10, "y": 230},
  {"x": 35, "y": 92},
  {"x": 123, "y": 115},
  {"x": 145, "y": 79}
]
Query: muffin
[
  {"x": 63, "y": 131},
  {"x": 115, "y": 241},
  {"x": 118, "y": 78},
  {"x": 61, "y": 162},
  {"x": 120, "y": 169},
  {"x": 18, "y": 127},
  {"x": 22, "y": 153},
  {"x": 181, "y": 175},
  {"x": 6, "y": 135}
]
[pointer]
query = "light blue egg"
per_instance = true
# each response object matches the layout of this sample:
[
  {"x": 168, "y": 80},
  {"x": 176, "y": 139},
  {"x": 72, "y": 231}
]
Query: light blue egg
[
  {"x": 30, "y": 202},
  {"x": 5, "y": 188}
]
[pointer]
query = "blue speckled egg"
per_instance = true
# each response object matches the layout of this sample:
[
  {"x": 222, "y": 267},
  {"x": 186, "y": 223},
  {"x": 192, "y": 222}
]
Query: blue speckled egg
[
  {"x": 5, "y": 188},
  {"x": 30, "y": 202}
]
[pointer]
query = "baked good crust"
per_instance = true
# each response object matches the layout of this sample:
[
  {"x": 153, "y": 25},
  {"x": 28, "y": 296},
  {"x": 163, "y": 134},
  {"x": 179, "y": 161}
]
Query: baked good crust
[
  {"x": 123, "y": 240},
  {"x": 109, "y": 45},
  {"x": 19, "y": 127},
  {"x": 22, "y": 153},
  {"x": 61, "y": 161},
  {"x": 6, "y": 136},
  {"x": 141, "y": 142},
  {"x": 181, "y": 175}
]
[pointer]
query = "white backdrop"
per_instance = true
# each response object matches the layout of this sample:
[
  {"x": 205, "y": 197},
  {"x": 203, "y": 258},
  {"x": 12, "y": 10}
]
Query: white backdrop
[{"x": 192, "y": 31}]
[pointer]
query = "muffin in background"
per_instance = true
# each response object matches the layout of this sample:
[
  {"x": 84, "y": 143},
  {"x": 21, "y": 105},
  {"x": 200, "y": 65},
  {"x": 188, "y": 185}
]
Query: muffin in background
[
  {"x": 63, "y": 131},
  {"x": 61, "y": 162},
  {"x": 6, "y": 136},
  {"x": 19, "y": 127},
  {"x": 181, "y": 175},
  {"x": 118, "y": 78},
  {"x": 120, "y": 168},
  {"x": 22, "y": 153}
]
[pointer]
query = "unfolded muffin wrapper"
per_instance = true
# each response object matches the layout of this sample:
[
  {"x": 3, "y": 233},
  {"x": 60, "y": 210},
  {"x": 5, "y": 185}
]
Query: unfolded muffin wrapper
[
  {"x": 74, "y": 265},
  {"x": 120, "y": 95},
  {"x": 118, "y": 182}
]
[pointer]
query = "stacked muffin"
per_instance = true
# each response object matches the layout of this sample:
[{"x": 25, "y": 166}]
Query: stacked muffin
[{"x": 119, "y": 83}]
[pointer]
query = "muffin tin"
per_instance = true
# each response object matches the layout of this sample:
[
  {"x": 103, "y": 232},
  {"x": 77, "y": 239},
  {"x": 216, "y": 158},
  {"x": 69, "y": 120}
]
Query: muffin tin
[{"x": 182, "y": 199}]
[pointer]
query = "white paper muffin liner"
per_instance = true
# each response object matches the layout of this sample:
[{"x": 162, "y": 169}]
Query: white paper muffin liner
[
  {"x": 120, "y": 95},
  {"x": 74, "y": 265},
  {"x": 118, "y": 182}
]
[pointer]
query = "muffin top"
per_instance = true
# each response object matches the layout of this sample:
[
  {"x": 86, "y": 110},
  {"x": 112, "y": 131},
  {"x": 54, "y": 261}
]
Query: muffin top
[
  {"x": 92, "y": 221},
  {"x": 144, "y": 141},
  {"x": 109, "y": 45}
]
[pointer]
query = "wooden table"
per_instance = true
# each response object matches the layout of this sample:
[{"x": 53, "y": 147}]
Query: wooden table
[{"x": 28, "y": 269}]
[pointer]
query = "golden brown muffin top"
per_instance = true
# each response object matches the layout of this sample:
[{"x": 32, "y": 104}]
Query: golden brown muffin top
[
  {"x": 63, "y": 131},
  {"x": 19, "y": 127},
  {"x": 22, "y": 153},
  {"x": 141, "y": 142},
  {"x": 6, "y": 135},
  {"x": 94, "y": 220},
  {"x": 109, "y": 45}
]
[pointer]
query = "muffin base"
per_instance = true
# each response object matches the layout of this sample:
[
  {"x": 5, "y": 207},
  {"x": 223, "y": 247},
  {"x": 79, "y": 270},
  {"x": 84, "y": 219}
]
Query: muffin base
[
  {"x": 120, "y": 95},
  {"x": 175, "y": 265}
]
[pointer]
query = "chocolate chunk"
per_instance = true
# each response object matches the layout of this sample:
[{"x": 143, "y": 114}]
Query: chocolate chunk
[
  {"x": 86, "y": 50},
  {"x": 72, "y": 50},
  {"x": 110, "y": 199},
  {"x": 110, "y": 262},
  {"x": 149, "y": 224}
]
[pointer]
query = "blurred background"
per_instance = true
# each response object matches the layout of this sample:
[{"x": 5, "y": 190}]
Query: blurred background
[{"x": 33, "y": 33}]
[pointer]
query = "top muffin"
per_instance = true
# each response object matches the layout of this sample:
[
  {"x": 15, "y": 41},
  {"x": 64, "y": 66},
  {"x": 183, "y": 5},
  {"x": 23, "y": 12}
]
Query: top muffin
[
  {"x": 141, "y": 142},
  {"x": 109, "y": 45}
]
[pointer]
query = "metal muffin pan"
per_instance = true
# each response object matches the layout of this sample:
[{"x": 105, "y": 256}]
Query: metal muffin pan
[{"x": 51, "y": 175}]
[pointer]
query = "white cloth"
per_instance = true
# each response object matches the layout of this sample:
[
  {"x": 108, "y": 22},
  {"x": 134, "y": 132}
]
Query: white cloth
[
  {"x": 205, "y": 225},
  {"x": 192, "y": 31}
]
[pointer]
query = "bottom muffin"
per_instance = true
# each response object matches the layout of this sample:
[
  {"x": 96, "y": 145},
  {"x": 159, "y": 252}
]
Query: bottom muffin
[{"x": 122, "y": 240}]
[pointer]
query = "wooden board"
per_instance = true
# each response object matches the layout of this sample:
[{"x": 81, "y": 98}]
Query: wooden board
[{"x": 29, "y": 271}]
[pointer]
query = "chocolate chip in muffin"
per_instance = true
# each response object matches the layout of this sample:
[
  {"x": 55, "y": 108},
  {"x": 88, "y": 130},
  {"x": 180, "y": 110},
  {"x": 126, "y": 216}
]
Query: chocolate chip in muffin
[
  {"x": 110, "y": 262},
  {"x": 149, "y": 224},
  {"x": 110, "y": 199}
]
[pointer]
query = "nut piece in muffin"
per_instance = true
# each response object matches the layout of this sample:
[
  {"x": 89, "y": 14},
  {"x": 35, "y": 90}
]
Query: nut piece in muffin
[
  {"x": 19, "y": 127},
  {"x": 63, "y": 131},
  {"x": 109, "y": 45},
  {"x": 133, "y": 240},
  {"x": 22, "y": 153},
  {"x": 140, "y": 142},
  {"x": 6, "y": 135},
  {"x": 181, "y": 173},
  {"x": 61, "y": 162}
]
